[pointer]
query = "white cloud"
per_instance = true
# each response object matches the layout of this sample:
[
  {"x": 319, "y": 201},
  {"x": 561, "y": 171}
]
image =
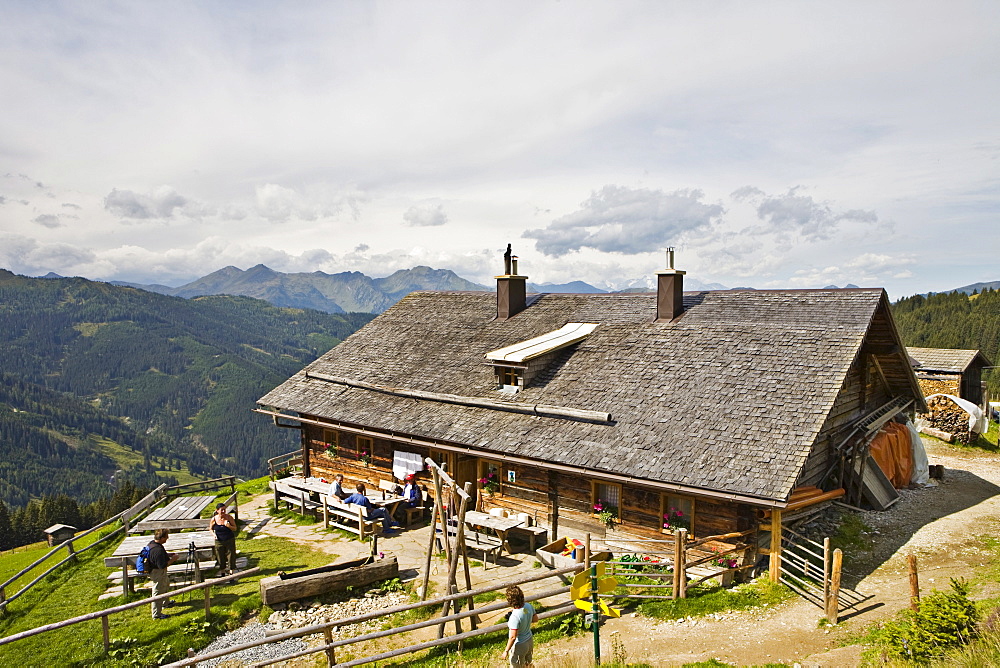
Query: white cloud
[
  {"x": 48, "y": 220},
  {"x": 618, "y": 219},
  {"x": 425, "y": 215},
  {"x": 161, "y": 203}
]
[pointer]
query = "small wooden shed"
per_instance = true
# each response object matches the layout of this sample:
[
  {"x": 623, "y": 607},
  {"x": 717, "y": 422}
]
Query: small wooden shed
[
  {"x": 57, "y": 533},
  {"x": 950, "y": 371}
]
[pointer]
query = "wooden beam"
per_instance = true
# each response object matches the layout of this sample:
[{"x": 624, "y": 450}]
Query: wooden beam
[{"x": 775, "y": 559}]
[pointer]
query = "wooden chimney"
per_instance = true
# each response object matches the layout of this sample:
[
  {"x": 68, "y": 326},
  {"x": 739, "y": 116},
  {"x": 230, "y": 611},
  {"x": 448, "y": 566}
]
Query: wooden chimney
[
  {"x": 511, "y": 288},
  {"x": 669, "y": 291}
]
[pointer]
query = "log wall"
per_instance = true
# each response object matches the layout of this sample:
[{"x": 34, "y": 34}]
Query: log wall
[{"x": 639, "y": 511}]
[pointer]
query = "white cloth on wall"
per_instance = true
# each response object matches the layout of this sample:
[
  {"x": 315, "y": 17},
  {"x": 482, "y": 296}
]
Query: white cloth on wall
[
  {"x": 921, "y": 473},
  {"x": 405, "y": 463}
]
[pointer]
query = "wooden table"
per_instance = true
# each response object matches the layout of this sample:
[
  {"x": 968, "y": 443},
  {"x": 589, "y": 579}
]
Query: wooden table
[
  {"x": 181, "y": 513},
  {"x": 311, "y": 485},
  {"x": 204, "y": 543},
  {"x": 501, "y": 525},
  {"x": 388, "y": 502}
]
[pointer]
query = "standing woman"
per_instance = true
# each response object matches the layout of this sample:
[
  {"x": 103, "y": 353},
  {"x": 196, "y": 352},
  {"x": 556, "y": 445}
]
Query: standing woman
[
  {"x": 224, "y": 527},
  {"x": 520, "y": 643}
]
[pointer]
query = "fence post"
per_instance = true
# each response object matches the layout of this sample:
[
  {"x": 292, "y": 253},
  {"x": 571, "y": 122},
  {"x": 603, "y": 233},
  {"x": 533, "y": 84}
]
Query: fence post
[
  {"x": 72, "y": 553},
  {"x": 331, "y": 657},
  {"x": 911, "y": 561},
  {"x": 676, "y": 589},
  {"x": 106, "y": 632},
  {"x": 775, "y": 557},
  {"x": 833, "y": 602}
]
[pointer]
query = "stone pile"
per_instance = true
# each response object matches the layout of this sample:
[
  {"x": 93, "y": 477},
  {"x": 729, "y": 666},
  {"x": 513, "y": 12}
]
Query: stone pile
[{"x": 301, "y": 613}]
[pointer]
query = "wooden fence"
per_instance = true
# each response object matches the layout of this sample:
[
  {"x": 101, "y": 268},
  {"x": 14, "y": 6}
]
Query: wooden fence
[
  {"x": 813, "y": 572},
  {"x": 103, "y": 615},
  {"x": 126, "y": 517},
  {"x": 144, "y": 504},
  {"x": 330, "y": 645},
  {"x": 694, "y": 565}
]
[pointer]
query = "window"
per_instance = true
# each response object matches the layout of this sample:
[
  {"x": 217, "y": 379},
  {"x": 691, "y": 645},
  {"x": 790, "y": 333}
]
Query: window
[
  {"x": 509, "y": 378},
  {"x": 331, "y": 443},
  {"x": 607, "y": 498},
  {"x": 489, "y": 476},
  {"x": 676, "y": 512},
  {"x": 366, "y": 449}
]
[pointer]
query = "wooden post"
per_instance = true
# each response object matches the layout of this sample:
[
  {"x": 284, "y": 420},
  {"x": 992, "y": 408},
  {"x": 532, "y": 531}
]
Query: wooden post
[
  {"x": 682, "y": 562},
  {"x": 826, "y": 569},
  {"x": 553, "y": 509},
  {"x": 586, "y": 552},
  {"x": 833, "y": 602},
  {"x": 775, "y": 559},
  {"x": 331, "y": 658},
  {"x": 126, "y": 583},
  {"x": 208, "y": 602},
  {"x": 911, "y": 561},
  {"x": 443, "y": 516},
  {"x": 430, "y": 543},
  {"x": 277, "y": 502},
  {"x": 468, "y": 585},
  {"x": 69, "y": 548},
  {"x": 453, "y": 561},
  {"x": 106, "y": 632},
  {"x": 676, "y": 589}
]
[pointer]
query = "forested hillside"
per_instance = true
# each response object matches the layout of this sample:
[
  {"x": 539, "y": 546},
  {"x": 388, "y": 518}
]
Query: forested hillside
[
  {"x": 953, "y": 320},
  {"x": 183, "y": 374},
  {"x": 49, "y": 444}
]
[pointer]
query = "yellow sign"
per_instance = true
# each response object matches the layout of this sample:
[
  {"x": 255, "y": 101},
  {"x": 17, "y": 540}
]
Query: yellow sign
[
  {"x": 606, "y": 609},
  {"x": 580, "y": 587}
]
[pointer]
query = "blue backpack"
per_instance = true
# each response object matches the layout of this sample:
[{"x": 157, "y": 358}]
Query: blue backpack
[{"x": 142, "y": 561}]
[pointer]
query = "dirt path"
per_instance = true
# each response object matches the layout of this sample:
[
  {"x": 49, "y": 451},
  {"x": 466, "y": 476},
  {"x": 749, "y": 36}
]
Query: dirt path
[{"x": 938, "y": 524}]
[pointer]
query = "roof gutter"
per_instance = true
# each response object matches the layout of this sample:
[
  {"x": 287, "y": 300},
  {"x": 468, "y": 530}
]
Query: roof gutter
[
  {"x": 514, "y": 459},
  {"x": 540, "y": 410}
]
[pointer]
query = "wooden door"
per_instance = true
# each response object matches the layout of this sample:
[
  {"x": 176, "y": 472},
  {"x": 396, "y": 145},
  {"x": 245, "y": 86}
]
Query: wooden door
[{"x": 466, "y": 471}]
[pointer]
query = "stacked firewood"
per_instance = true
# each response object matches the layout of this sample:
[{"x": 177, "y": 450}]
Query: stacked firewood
[{"x": 945, "y": 416}]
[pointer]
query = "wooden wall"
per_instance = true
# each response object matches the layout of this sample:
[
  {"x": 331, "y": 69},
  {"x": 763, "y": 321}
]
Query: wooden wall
[{"x": 532, "y": 492}]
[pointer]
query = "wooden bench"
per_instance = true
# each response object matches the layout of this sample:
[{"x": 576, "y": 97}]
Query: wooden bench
[
  {"x": 348, "y": 516},
  {"x": 531, "y": 532},
  {"x": 418, "y": 511},
  {"x": 475, "y": 540},
  {"x": 293, "y": 496}
]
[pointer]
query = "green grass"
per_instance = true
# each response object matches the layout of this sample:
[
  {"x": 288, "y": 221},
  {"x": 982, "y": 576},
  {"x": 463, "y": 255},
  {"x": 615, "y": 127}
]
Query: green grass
[
  {"x": 73, "y": 591},
  {"x": 703, "y": 601},
  {"x": 126, "y": 458}
]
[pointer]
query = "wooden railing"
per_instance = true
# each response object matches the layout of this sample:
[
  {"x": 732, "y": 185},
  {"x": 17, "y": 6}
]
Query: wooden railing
[
  {"x": 125, "y": 516},
  {"x": 103, "y": 615},
  {"x": 203, "y": 486},
  {"x": 330, "y": 645},
  {"x": 289, "y": 460}
]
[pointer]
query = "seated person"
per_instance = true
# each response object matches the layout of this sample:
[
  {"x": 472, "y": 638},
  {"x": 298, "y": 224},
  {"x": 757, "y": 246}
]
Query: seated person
[
  {"x": 337, "y": 487},
  {"x": 411, "y": 492},
  {"x": 374, "y": 512}
]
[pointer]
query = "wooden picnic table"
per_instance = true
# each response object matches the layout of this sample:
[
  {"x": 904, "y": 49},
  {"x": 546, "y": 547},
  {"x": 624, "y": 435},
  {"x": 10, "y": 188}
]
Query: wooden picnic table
[
  {"x": 502, "y": 525},
  {"x": 181, "y": 513},
  {"x": 204, "y": 543}
]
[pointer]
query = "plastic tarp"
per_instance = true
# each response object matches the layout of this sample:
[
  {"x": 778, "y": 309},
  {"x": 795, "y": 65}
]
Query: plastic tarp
[
  {"x": 892, "y": 450},
  {"x": 978, "y": 422},
  {"x": 921, "y": 473}
]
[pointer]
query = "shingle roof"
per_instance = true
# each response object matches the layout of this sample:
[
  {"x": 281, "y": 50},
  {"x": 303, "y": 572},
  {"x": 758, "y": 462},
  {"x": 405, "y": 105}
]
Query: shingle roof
[
  {"x": 945, "y": 359},
  {"x": 729, "y": 397}
]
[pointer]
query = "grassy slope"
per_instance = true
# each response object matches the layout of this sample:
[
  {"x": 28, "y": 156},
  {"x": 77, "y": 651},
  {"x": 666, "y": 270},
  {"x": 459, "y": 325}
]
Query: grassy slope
[
  {"x": 126, "y": 458},
  {"x": 73, "y": 590}
]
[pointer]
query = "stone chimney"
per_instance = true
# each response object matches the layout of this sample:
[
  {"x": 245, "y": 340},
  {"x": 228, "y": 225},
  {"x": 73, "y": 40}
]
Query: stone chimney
[
  {"x": 669, "y": 291},
  {"x": 511, "y": 288}
]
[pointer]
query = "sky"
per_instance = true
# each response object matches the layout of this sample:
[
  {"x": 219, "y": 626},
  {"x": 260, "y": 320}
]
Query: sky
[{"x": 774, "y": 145}]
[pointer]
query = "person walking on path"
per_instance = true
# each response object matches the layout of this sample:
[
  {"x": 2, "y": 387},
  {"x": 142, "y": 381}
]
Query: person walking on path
[
  {"x": 520, "y": 643},
  {"x": 158, "y": 561},
  {"x": 224, "y": 526}
]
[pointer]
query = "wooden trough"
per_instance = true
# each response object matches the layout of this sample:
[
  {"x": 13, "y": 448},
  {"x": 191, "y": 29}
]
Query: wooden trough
[{"x": 334, "y": 577}]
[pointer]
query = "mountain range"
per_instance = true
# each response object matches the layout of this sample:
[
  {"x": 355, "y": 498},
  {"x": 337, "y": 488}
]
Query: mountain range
[{"x": 351, "y": 291}]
